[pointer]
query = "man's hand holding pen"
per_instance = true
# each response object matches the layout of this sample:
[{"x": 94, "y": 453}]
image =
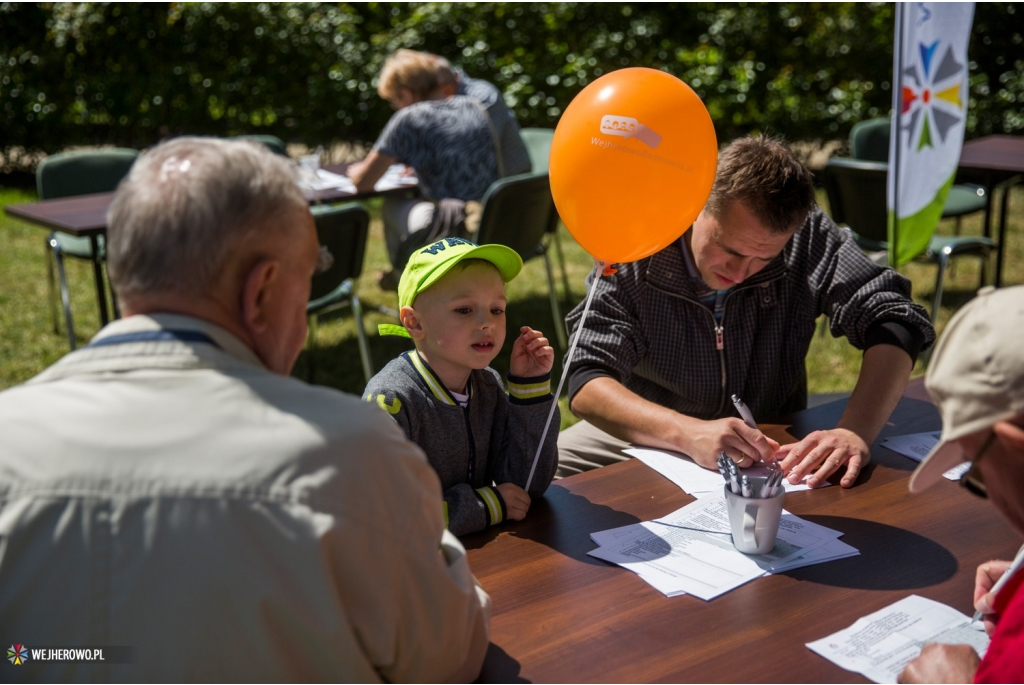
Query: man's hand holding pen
[{"x": 825, "y": 451}]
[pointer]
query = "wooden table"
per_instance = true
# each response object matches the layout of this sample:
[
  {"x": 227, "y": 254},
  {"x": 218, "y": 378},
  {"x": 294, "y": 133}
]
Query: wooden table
[
  {"x": 85, "y": 216},
  {"x": 990, "y": 161},
  {"x": 561, "y": 616}
]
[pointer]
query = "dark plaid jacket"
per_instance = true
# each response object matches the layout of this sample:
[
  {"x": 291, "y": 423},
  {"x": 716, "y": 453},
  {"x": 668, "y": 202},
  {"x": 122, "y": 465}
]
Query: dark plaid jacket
[{"x": 647, "y": 329}]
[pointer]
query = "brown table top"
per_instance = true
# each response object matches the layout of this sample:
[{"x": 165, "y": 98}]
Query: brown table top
[
  {"x": 997, "y": 153},
  {"x": 85, "y": 215},
  {"x": 561, "y": 616}
]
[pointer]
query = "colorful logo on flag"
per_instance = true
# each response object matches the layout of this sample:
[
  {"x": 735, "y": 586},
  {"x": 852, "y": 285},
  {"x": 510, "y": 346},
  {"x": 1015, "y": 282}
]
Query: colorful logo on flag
[
  {"x": 931, "y": 96},
  {"x": 17, "y": 654}
]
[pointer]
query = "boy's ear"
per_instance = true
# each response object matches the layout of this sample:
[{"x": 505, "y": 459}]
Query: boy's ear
[{"x": 411, "y": 321}]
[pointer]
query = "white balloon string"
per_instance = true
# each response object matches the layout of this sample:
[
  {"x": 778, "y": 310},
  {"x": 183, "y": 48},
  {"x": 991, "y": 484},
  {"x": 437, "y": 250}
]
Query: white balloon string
[{"x": 565, "y": 370}]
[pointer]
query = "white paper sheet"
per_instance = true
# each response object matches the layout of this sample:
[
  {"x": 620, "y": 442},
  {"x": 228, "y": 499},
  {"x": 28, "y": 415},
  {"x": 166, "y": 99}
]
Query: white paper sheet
[
  {"x": 915, "y": 445},
  {"x": 326, "y": 179},
  {"x": 694, "y": 479},
  {"x": 881, "y": 644},
  {"x": 918, "y": 445},
  {"x": 690, "y": 551},
  {"x": 394, "y": 177}
]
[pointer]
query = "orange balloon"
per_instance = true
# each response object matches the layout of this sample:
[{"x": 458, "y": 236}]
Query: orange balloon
[{"x": 632, "y": 163}]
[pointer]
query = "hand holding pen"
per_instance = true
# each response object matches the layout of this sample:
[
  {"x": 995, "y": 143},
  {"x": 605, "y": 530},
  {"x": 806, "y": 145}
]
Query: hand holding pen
[
  {"x": 748, "y": 418},
  {"x": 990, "y": 578}
]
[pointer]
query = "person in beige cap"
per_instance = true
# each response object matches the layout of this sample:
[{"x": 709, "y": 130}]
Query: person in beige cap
[{"x": 976, "y": 378}]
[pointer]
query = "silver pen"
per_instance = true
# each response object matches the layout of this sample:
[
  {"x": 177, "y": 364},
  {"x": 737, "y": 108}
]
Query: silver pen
[{"x": 744, "y": 411}]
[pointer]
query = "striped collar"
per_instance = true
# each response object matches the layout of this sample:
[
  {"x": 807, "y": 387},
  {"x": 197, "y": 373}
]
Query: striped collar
[{"x": 432, "y": 381}]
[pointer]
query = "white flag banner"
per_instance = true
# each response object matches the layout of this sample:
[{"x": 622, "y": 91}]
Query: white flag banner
[{"x": 930, "y": 97}]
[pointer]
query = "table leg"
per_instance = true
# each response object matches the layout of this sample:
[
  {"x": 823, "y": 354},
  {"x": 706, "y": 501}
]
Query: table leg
[
  {"x": 990, "y": 192},
  {"x": 97, "y": 269}
]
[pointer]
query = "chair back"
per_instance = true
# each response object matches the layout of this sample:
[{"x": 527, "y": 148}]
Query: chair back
[
  {"x": 869, "y": 140},
  {"x": 342, "y": 233},
  {"x": 517, "y": 211},
  {"x": 83, "y": 172},
  {"x": 272, "y": 143},
  {"x": 538, "y": 146},
  {"x": 857, "y": 198}
]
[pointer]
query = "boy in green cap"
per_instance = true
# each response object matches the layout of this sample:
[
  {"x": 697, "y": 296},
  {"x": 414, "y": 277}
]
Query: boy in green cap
[{"x": 450, "y": 402}]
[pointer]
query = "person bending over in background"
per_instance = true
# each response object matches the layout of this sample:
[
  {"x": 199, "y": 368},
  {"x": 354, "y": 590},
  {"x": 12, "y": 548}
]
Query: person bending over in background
[
  {"x": 450, "y": 143},
  {"x": 514, "y": 157}
]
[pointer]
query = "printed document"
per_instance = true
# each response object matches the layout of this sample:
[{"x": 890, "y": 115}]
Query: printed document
[
  {"x": 690, "y": 551},
  {"x": 918, "y": 445},
  {"x": 694, "y": 479},
  {"x": 881, "y": 644},
  {"x": 394, "y": 177}
]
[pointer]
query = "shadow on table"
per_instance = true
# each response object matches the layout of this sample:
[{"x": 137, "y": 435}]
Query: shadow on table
[
  {"x": 562, "y": 521},
  {"x": 909, "y": 560},
  {"x": 499, "y": 667}
]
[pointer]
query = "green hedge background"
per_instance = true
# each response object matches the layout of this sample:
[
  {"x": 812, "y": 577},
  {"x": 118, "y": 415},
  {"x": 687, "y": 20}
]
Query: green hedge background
[{"x": 131, "y": 74}]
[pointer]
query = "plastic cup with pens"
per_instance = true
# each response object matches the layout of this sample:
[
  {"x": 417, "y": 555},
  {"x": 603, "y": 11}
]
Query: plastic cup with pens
[{"x": 754, "y": 506}]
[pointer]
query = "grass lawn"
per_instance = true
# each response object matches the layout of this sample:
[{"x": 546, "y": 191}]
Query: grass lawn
[{"x": 28, "y": 342}]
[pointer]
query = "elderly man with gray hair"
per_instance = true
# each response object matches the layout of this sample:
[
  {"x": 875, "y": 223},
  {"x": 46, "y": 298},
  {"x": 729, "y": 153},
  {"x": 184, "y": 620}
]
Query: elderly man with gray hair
[{"x": 171, "y": 498}]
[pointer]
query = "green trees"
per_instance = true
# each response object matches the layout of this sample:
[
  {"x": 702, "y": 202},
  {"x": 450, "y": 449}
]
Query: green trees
[{"x": 90, "y": 73}]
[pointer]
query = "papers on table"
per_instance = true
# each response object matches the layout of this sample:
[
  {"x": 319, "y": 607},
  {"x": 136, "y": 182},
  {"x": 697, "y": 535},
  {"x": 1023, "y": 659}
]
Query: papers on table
[
  {"x": 881, "y": 644},
  {"x": 325, "y": 179},
  {"x": 394, "y": 177},
  {"x": 694, "y": 479},
  {"x": 690, "y": 551},
  {"x": 918, "y": 445}
]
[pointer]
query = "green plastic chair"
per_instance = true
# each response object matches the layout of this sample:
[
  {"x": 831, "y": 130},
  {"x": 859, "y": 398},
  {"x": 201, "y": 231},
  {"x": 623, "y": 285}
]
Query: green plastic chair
[
  {"x": 65, "y": 175},
  {"x": 857, "y": 199},
  {"x": 517, "y": 212},
  {"x": 538, "y": 146},
  {"x": 869, "y": 141},
  {"x": 342, "y": 232},
  {"x": 272, "y": 143}
]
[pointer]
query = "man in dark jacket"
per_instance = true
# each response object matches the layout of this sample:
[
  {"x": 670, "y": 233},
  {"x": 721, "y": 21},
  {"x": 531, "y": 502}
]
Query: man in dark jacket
[{"x": 730, "y": 309}]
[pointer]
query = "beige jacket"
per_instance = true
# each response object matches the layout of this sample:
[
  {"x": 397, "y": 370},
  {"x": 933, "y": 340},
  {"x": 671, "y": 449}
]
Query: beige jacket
[{"x": 225, "y": 522}]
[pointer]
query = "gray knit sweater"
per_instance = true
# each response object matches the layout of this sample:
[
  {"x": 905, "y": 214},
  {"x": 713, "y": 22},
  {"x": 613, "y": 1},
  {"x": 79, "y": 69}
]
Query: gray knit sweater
[{"x": 492, "y": 441}]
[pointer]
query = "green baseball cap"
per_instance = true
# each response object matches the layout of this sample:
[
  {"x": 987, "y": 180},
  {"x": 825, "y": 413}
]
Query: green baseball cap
[{"x": 430, "y": 263}]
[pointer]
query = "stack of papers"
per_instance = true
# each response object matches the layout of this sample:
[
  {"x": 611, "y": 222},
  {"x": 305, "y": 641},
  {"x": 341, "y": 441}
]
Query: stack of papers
[
  {"x": 880, "y": 645},
  {"x": 322, "y": 179},
  {"x": 394, "y": 177},
  {"x": 696, "y": 480},
  {"x": 690, "y": 551},
  {"x": 918, "y": 445}
]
